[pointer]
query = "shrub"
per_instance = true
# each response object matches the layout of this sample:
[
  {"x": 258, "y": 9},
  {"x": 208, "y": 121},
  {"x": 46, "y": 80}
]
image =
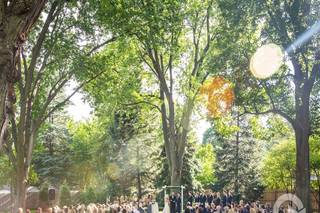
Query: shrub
[
  {"x": 43, "y": 196},
  {"x": 65, "y": 196},
  {"x": 88, "y": 196}
]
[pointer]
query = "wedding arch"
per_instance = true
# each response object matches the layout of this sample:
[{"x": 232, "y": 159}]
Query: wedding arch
[{"x": 165, "y": 188}]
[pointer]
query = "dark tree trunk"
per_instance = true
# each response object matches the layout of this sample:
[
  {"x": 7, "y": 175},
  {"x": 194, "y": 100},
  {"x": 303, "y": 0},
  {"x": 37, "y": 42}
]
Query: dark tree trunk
[
  {"x": 8, "y": 75},
  {"x": 303, "y": 168},
  {"x": 302, "y": 132}
]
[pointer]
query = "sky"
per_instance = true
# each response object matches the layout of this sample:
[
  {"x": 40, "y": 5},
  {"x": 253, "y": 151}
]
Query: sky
[{"x": 78, "y": 109}]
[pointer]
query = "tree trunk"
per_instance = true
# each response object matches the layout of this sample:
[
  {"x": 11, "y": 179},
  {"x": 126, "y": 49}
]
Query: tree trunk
[
  {"x": 176, "y": 171},
  {"x": 139, "y": 184},
  {"x": 139, "y": 174},
  {"x": 6, "y": 74},
  {"x": 318, "y": 197},
  {"x": 303, "y": 168},
  {"x": 21, "y": 184},
  {"x": 16, "y": 20},
  {"x": 24, "y": 144},
  {"x": 236, "y": 183}
]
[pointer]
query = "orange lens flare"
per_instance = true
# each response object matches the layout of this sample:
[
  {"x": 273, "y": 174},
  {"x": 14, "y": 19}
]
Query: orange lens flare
[{"x": 219, "y": 96}]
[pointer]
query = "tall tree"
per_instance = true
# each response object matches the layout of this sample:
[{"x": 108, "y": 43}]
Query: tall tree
[
  {"x": 47, "y": 63},
  {"x": 236, "y": 150},
  {"x": 52, "y": 155},
  {"x": 16, "y": 21},
  {"x": 162, "y": 31},
  {"x": 287, "y": 93}
]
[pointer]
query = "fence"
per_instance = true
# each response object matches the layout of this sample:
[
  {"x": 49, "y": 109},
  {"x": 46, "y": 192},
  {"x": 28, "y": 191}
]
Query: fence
[
  {"x": 33, "y": 201},
  {"x": 270, "y": 196}
]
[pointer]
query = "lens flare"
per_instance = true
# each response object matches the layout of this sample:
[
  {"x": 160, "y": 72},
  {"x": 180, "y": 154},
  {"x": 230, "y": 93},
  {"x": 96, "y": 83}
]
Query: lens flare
[
  {"x": 219, "y": 96},
  {"x": 266, "y": 61},
  {"x": 304, "y": 38}
]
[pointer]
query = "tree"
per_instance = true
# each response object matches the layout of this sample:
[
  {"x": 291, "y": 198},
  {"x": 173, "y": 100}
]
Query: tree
[
  {"x": 85, "y": 138},
  {"x": 189, "y": 172},
  {"x": 162, "y": 32},
  {"x": 315, "y": 166},
  {"x": 52, "y": 154},
  {"x": 287, "y": 93},
  {"x": 278, "y": 167},
  {"x": 16, "y": 21},
  {"x": 236, "y": 164},
  {"x": 47, "y": 63},
  {"x": 278, "y": 170},
  {"x": 44, "y": 194},
  {"x": 206, "y": 157},
  {"x": 65, "y": 196}
]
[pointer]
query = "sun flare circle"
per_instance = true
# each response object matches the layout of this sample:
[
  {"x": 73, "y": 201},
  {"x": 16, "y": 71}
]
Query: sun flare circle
[{"x": 266, "y": 61}]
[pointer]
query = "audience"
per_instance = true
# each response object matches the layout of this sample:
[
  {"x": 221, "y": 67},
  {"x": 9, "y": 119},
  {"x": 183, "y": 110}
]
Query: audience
[{"x": 209, "y": 202}]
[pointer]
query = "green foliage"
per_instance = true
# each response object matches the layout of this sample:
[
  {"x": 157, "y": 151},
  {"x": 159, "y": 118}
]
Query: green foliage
[
  {"x": 52, "y": 155},
  {"x": 88, "y": 196},
  {"x": 206, "y": 158},
  {"x": 85, "y": 141},
  {"x": 270, "y": 128},
  {"x": 236, "y": 165},
  {"x": 7, "y": 172},
  {"x": 65, "y": 196},
  {"x": 278, "y": 167},
  {"x": 44, "y": 193},
  {"x": 98, "y": 195},
  {"x": 315, "y": 162}
]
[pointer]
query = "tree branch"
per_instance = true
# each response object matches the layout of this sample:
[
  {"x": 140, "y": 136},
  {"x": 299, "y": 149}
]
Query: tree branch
[
  {"x": 143, "y": 102},
  {"x": 275, "y": 111},
  {"x": 101, "y": 45},
  {"x": 57, "y": 106}
]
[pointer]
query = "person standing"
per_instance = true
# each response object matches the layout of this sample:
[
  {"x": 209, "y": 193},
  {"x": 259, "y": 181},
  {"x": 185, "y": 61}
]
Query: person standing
[
  {"x": 218, "y": 199},
  {"x": 149, "y": 204},
  {"x": 166, "y": 208},
  {"x": 203, "y": 199},
  {"x": 210, "y": 198},
  {"x": 173, "y": 201},
  {"x": 224, "y": 199},
  {"x": 230, "y": 198},
  {"x": 178, "y": 203},
  {"x": 190, "y": 198},
  {"x": 197, "y": 198}
]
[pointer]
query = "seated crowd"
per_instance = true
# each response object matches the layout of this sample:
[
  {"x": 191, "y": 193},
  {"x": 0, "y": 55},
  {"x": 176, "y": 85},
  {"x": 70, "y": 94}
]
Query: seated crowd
[
  {"x": 122, "y": 205},
  {"x": 210, "y": 202}
]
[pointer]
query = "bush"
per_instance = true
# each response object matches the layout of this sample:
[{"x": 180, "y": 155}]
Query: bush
[
  {"x": 88, "y": 196},
  {"x": 43, "y": 196},
  {"x": 65, "y": 196}
]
